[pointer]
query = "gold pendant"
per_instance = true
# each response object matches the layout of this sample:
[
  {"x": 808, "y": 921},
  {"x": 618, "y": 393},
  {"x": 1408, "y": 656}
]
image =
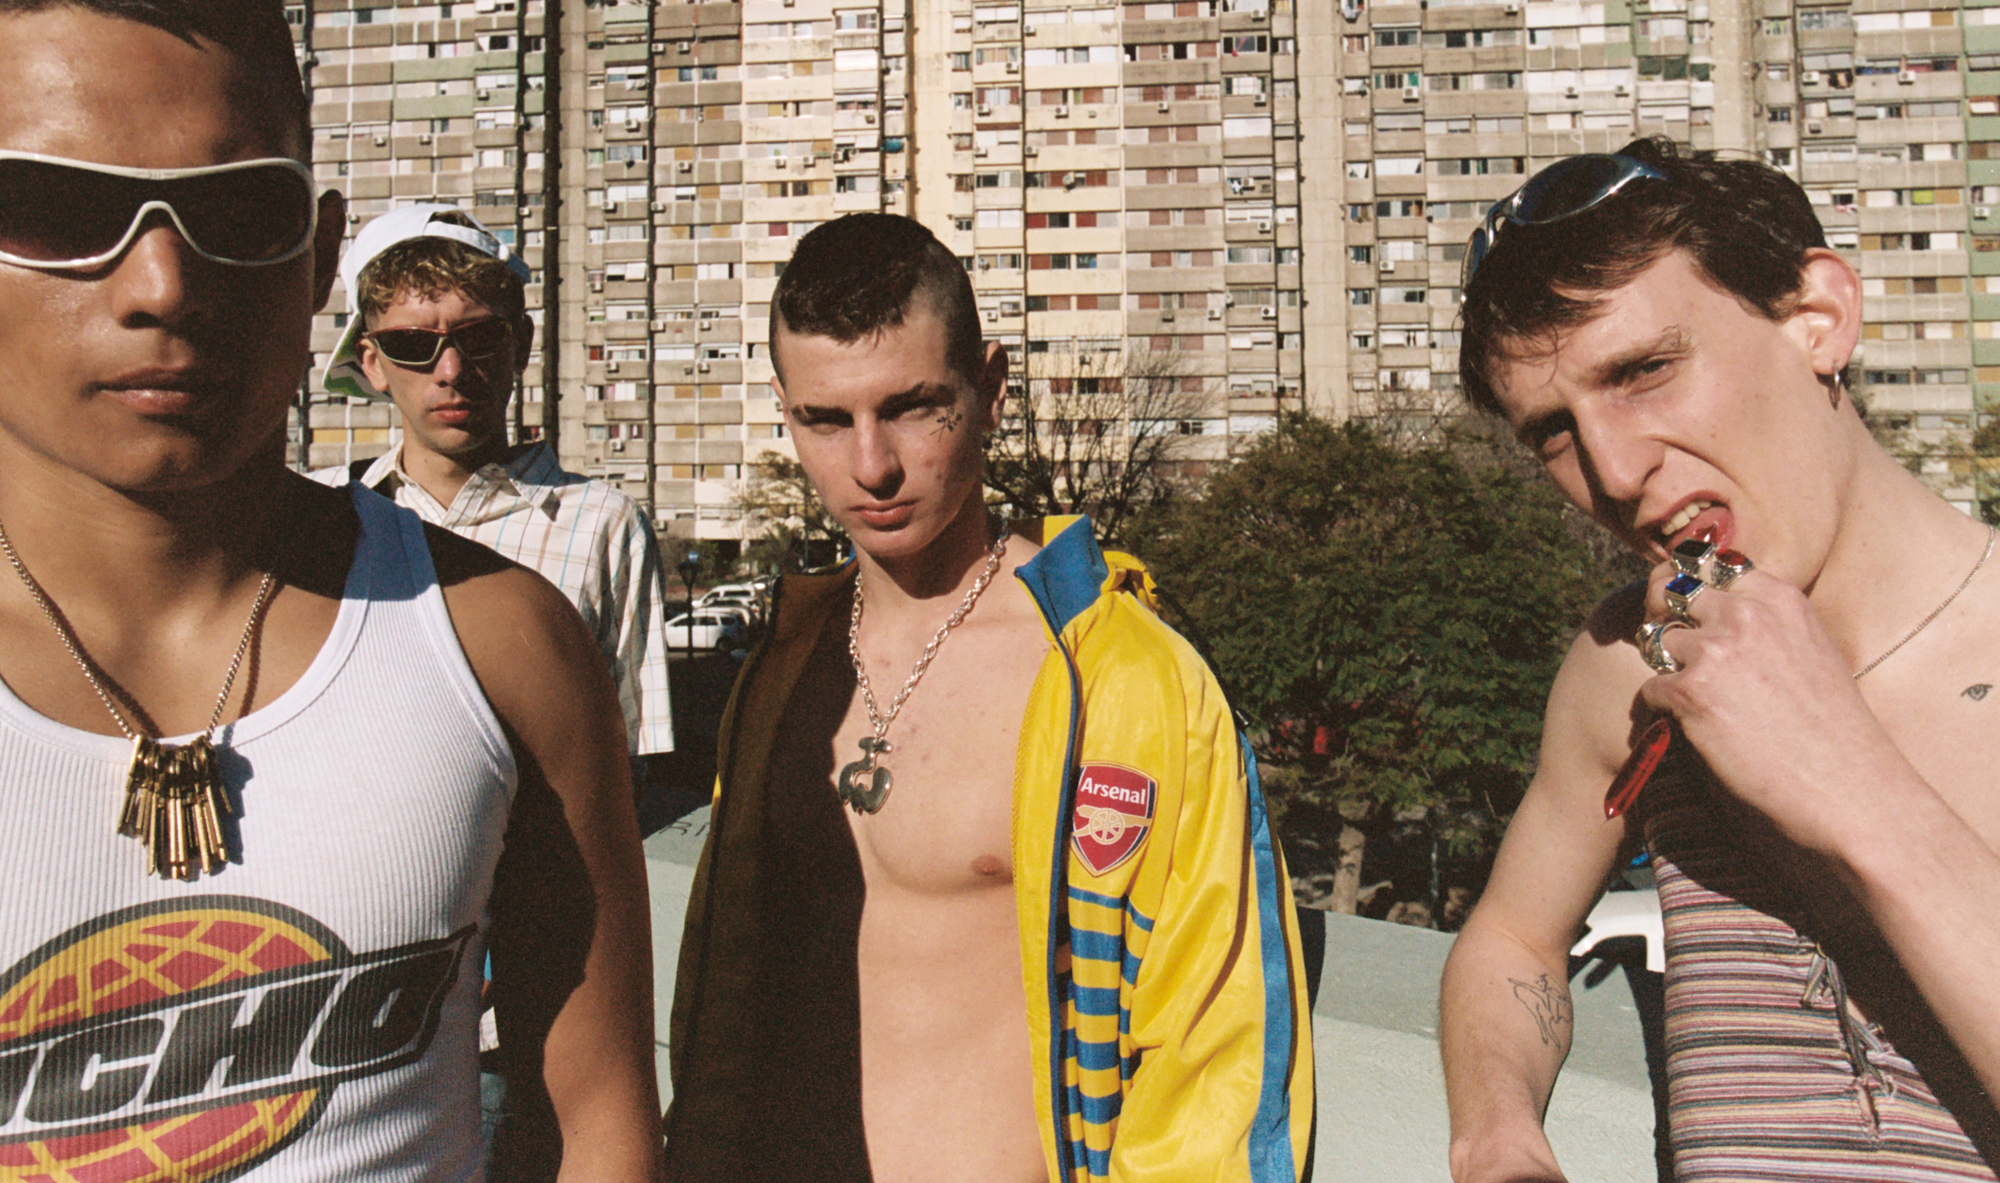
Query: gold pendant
[
  {"x": 869, "y": 799},
  {"x": 174, "y": 800}
]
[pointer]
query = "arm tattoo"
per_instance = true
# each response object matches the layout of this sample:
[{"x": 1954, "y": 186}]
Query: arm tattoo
[
  {"x": 1547, "y": 1002},
  {"x": 1977, "y": 691}
]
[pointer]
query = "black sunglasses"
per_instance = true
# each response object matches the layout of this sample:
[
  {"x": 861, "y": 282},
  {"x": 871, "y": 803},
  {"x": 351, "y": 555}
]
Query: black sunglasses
[
  {"x": 62, "y": 214},
  {"x": 417, "y": 349},
  {"x": 1562, "y": 190}
]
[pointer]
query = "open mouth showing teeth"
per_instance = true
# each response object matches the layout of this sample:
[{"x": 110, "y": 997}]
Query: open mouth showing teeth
[{"x": 1680, "y": 521}]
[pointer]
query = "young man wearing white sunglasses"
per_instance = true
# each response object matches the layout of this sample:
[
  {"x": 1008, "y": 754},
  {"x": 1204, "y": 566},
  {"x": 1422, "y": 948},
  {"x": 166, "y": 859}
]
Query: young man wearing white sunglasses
[
  {"x": 276, "y": 762},
  {"x": 1803, "y": 743}
]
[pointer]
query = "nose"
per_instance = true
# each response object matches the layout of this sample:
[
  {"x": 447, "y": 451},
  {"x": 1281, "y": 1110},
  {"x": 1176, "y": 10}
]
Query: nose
[
  {"x": 1619, "y": 455},
  {"x": 877, "y": 468},
  {"x": 159, "y": 280},
  {"x": 450, "y": 364}
]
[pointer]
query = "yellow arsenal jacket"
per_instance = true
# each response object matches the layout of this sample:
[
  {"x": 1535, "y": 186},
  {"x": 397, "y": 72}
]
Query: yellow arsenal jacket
[{"x": 1165, "y": 990}]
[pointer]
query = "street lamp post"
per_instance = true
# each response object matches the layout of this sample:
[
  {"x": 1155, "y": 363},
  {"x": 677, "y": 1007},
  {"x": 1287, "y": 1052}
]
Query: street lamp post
[{"x": 689, "y": 568}]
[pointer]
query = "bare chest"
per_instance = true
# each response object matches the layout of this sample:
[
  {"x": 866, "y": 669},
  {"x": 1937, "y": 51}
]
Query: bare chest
[{"x": 946, "y": 824}]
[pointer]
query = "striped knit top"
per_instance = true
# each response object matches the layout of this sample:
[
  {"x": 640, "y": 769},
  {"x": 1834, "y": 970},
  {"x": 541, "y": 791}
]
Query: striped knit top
[{"x": 1773, "y": 1072}]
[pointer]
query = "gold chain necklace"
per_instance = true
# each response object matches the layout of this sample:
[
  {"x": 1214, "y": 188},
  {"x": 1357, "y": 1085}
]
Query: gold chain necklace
[
  {"x": 869, "y": 768},
  {"x": 174, "y": 796}
]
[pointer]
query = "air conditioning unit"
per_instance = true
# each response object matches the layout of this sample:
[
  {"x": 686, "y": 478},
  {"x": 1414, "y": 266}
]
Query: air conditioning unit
[
  {"x": 780, "y": 161},
  {"x": 1385, "y": 266},
  {"x": 1215, "y": 314},
  {"x": 701, "y": 367},
  {"x": 1030, "y": 150},
  {"x": 659, "y": 207},
  {"x": 983, "y": 109},
  {"x": 1072, "y": 180},
  {"x": 614, "y": 367},
  {"x": 381, "y": 141},
  {"x": 1622, "y": 91},
  {"x": 1166, "y": 314},
  {"x": 683, "y": 46},
  {"x": 1263, "y": 227},
  {"x": 1013, "y": 67},
  {"x": 1569, "y": 92},
  {"x": 686, "y": 166},
  {"x": 687, "y": 370},
  {"x": 1411, "y": 94},
  {"x": 618, "y": 445},
  {"x": 1906, "y": 77},
  {"x": 1982, "y": 211},
  {"x": 1163, "y": 107},
  {"x": 483, "y": 94},
  {"x": 425, "y": 138},
  {"x": 1809, "y": 78},
  {"x": 704, "y": 326},
  {"x": 1813, "y": 127},
  {"x": 1257, "y": 17},
  {"x": 1268, "y": 312},
  {"x": 1062, "y": 112},
  {"x": 1028, "y": 31},
  {"x": 979, "y": 150},
  {"x": 1259, "y": 99},
  {"x": 992, "y": 315},
  {"x": 596, "y": 285},
  {"x": 659, "y": 326},
  {"x": 353, "y": 217},
  {"x": 868, "y": 117},
  {"x": 610, "y": 204}
]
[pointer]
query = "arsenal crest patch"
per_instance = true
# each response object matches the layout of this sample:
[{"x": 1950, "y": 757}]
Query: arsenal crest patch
[{"x": 1114, "y": 812}]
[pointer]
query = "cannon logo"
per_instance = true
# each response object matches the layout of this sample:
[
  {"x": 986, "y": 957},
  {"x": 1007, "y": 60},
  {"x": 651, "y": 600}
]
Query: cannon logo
[
  {"x": 1114, "y": 812},
  {"x": 191, "y": 1040}
]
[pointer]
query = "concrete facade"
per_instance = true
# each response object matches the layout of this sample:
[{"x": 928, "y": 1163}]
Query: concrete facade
[{"x": 1265, "y": 204}]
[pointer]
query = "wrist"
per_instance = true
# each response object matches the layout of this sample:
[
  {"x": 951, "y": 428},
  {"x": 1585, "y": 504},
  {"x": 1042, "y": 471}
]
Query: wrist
[{"x": 1518, "y": 1155}]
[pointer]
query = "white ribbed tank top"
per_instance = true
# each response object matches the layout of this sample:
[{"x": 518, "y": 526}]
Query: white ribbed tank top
[{"x": 310, "y": 1011}]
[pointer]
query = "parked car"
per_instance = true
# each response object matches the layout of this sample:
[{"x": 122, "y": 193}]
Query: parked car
[
  {"x": 1631, "y": 909},
  {"x": 706, "y": 630},
  {"x": 741, "y": 595}
]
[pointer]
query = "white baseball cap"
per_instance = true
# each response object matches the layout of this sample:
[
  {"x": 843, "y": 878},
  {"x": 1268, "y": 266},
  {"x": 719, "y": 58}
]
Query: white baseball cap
[{"x": 343, "y": 370}]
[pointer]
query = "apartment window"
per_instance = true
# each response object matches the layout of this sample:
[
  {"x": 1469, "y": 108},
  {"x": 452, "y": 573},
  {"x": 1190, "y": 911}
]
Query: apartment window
[
  {"x": 1387, "y": 38},
  {"x": 1361, "y": 297}
]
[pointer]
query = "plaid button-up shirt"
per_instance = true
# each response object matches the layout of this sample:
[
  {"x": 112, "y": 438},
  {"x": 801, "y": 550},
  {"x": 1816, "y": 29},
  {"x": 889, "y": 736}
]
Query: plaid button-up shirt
[{"x": 580, "y": 534}]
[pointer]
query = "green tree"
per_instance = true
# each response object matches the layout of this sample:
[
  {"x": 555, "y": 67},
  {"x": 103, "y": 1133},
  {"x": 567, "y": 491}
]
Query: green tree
[
  {"x": 1985, "y": 447},
  {"x": 1388, "y": 619}
]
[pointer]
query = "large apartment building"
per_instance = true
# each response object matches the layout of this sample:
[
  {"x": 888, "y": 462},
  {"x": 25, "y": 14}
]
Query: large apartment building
[{"x": 1181, "y": 216}]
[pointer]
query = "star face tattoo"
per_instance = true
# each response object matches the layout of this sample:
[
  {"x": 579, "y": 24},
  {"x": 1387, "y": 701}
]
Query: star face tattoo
[
  {"x": 1977, "y": 691},
  {"x": 951, "y": 419}
]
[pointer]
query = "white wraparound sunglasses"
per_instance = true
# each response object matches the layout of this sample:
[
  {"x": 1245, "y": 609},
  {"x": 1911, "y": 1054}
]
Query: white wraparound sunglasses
[{"x": 58, "y": 214}]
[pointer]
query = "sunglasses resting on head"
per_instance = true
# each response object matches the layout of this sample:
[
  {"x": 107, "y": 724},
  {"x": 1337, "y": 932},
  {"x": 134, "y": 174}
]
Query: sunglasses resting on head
[
  {"x": 58, "y": 214},
  {"x": 1562, "y": 190}
]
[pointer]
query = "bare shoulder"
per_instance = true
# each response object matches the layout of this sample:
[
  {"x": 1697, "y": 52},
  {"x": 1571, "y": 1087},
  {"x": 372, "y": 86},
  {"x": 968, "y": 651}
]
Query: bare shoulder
[
  {"x": 1594, "y": 706},
  {"x": 1559, "y": 846},
  {"x": 521, "y": 635}
]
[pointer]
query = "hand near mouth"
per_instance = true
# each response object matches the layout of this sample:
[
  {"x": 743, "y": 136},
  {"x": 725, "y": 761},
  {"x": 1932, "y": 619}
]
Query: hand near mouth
[{"x": 1767, "y": 699}]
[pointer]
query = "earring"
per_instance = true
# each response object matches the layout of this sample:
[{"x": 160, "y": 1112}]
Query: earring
[{"x": 1836, "y": 382}]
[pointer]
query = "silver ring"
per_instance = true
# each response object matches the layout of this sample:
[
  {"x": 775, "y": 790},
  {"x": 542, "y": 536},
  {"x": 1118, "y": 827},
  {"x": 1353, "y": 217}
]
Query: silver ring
[
  {"x": 1729, "y": 567},
  {"x": 1691, "y": 554},
  {"x": 1682, "y": 591},
  {"x": 1651, "y": 637}
]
